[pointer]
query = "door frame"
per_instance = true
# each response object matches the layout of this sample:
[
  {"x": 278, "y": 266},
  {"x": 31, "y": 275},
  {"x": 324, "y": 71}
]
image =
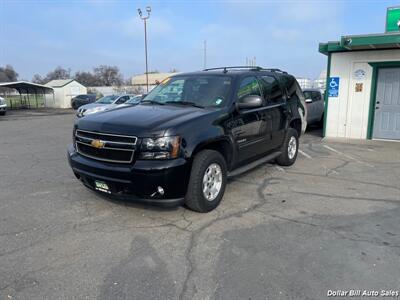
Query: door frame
[{"x": 376, "y": 66}]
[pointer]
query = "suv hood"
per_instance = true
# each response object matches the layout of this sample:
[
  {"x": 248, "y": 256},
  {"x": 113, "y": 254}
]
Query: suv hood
[
  {"x": 91, "y": 105},
  {"x": 141, "y": 120}
]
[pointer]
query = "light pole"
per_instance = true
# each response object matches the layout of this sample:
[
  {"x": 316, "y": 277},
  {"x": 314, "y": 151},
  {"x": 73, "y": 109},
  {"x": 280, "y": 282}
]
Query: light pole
[{"x": 144, "y": 18}]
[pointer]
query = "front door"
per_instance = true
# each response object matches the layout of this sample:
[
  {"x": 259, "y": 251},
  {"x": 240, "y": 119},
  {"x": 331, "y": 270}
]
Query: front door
[
  {"x": 249, "y": 127},
  {"x": 387, "y": 107}
]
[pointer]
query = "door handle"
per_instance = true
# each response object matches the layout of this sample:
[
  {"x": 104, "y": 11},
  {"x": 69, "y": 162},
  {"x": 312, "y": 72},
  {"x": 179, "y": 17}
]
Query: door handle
[{"x": 377, "y": 102}]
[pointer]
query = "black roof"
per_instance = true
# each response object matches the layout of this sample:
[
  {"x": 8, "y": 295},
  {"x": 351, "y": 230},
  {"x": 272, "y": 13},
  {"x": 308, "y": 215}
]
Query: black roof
[{"x": 237, "y": 70}]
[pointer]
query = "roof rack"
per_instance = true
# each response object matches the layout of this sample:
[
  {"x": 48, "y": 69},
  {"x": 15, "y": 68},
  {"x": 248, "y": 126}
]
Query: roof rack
[
  {"x": 251, "y": 68},
  {"x": 225, "y": 69},
  {"x": 274, "y": 70}
]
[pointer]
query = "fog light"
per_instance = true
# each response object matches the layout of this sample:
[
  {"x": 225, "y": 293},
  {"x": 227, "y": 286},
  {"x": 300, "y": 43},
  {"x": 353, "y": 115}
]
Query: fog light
[{"x": 160, "y": 190}]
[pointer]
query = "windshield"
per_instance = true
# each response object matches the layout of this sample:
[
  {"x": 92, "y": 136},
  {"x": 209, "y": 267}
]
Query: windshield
[
  {"x": 107, "y": 99},
  {"x": 134, "y": 100},
  {"x": 205, "y": 91}
]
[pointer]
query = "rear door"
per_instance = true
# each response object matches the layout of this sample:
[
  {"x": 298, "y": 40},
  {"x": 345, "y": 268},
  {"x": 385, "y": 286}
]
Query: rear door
[{"x": 276, "y": 110}]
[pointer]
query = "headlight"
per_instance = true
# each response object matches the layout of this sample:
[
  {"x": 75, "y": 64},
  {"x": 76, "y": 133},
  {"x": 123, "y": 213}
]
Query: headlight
[
  {"x": 94, "y": 110},
  {"x": 160, "y": 148}
]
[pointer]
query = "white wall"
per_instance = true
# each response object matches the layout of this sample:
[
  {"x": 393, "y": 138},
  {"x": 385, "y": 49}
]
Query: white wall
[
  {"x": 63, "y": 95},
  {"x": 348, "y": 114}
]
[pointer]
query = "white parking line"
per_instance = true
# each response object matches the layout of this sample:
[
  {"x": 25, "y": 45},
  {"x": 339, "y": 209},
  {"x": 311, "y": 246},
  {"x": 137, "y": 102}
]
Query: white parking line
[
  {"x": 348, "y": 156},
  {"x": 305, "y": 154},
  {"x": 280, "y": 168}
]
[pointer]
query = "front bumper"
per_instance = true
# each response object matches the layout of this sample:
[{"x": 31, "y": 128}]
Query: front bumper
[
  {"x": 3, "y": 107},
  {"x": 138, "y": 181}
]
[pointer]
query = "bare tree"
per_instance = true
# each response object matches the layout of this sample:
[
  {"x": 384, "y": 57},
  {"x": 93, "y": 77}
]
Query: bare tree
[
  {"x": 38, "y": 79},
  {"x": 58, "y": 73},
  {"x": 8, "y": 74},
  {"x": 108, "y": 75},
  {"x": 87, "y": 78}
]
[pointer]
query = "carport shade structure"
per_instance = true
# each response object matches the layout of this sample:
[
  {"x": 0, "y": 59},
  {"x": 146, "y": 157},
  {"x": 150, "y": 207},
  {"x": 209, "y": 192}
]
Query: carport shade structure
[{"x": 25, "y": 87}]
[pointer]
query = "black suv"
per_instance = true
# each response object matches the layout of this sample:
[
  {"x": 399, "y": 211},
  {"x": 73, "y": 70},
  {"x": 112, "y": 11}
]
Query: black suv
[
  {"x": 189, "y": 134},
  {"x": 80, "y": 100}
]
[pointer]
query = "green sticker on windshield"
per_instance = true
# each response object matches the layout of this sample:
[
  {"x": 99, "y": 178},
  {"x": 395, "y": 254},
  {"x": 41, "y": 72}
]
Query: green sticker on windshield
[{"x": 218, "y": 101}]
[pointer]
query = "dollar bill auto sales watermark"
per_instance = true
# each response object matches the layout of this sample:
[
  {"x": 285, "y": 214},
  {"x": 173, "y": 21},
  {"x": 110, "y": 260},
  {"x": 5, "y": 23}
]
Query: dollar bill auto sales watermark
[{"x": 363, "y": 293}]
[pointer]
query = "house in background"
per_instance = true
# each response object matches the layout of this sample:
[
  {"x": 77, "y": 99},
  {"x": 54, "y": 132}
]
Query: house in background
[{"x": 64, "y": 91}]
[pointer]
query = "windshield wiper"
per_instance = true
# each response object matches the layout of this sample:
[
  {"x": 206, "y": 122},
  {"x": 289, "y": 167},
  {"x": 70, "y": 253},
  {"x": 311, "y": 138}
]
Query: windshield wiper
[
  {"x": 152, "y": 102},
  {"x": 184, "y": 103}
]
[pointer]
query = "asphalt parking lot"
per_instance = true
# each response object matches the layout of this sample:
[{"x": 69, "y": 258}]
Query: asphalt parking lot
[{"x": 330, "y": 222}]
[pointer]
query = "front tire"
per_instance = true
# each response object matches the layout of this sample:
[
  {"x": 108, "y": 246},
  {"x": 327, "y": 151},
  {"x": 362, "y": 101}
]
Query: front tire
[
  {"x": 207, "y": 181},
  {"x": 290, "y": 148}
]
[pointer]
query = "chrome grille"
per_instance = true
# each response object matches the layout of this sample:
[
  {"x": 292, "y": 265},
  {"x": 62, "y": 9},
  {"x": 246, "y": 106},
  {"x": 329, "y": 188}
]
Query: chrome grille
[{"x": 105, "y": 147}]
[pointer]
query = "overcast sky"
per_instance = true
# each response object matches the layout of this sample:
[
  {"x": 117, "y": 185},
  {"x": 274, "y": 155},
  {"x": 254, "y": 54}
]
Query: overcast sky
[{"x": 37, "y": 36}]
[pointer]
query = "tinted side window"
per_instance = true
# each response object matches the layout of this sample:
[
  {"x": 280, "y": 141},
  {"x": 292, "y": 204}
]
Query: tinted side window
[
  {"x": 307, "y": 95},
  {"x": 249, "y": 86},
  {"x": 272, "y": 91},
  {"x": 122, "y": 99},
  {"x": 293, "y": 88},
  {"x": 316, "y": 96}
]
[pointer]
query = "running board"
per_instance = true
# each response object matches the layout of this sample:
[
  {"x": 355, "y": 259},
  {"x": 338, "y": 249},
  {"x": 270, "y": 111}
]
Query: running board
[{"x": 253, "y": 164}]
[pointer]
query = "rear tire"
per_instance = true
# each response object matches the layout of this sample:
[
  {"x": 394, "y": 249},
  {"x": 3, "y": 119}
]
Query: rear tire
[
  {"x": 3, "y": 113},
  {"x": 289, "y": 149},
  {"x": 207, "y": 181}
]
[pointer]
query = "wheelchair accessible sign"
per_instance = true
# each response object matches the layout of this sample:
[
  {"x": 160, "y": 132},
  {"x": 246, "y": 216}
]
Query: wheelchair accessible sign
[{"x": 333, "y": 87}]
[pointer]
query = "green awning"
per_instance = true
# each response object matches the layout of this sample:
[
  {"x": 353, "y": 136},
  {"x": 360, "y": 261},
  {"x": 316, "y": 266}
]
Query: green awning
[{"x": 362, "y": 42}]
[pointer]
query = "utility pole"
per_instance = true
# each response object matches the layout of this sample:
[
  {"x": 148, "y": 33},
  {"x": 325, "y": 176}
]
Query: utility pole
[{"x": 144, "y": 18}]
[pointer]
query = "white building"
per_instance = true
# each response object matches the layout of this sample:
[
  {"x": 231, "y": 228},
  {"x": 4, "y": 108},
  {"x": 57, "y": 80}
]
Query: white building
[
  {"x": 64, "y": 91},
  {"x": 320, "y": 83},
  {"x": 363, "y": 88},
  {"x": 305, "y": 83}
]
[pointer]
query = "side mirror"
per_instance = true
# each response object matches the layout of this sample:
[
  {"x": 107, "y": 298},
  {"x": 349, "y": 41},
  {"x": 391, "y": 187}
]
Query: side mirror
[
  {"x": 251, "y": 101},
  {"x": 308, "y": 100}
]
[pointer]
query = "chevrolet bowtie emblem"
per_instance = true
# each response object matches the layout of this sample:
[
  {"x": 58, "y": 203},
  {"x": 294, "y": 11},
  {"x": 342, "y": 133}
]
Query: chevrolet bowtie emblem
[{"x": 97, "y": 144}]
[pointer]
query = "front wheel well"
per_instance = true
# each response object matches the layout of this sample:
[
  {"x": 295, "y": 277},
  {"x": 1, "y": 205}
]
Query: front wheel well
[
  {"x": 222, "y": 146},
  {"x": 296, "y": 124}
]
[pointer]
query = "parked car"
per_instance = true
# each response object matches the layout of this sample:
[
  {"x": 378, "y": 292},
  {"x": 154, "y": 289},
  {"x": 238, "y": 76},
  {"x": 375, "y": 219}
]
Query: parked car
[
  {"x": 133, "y": 100},
  {"x": 3, "y": 106},
  {"x": 102, "y": 104},
  {"x": 80, "y": 100},
  {"x": 188, "y": 135},
  {"x": 315, "y": 106}
]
